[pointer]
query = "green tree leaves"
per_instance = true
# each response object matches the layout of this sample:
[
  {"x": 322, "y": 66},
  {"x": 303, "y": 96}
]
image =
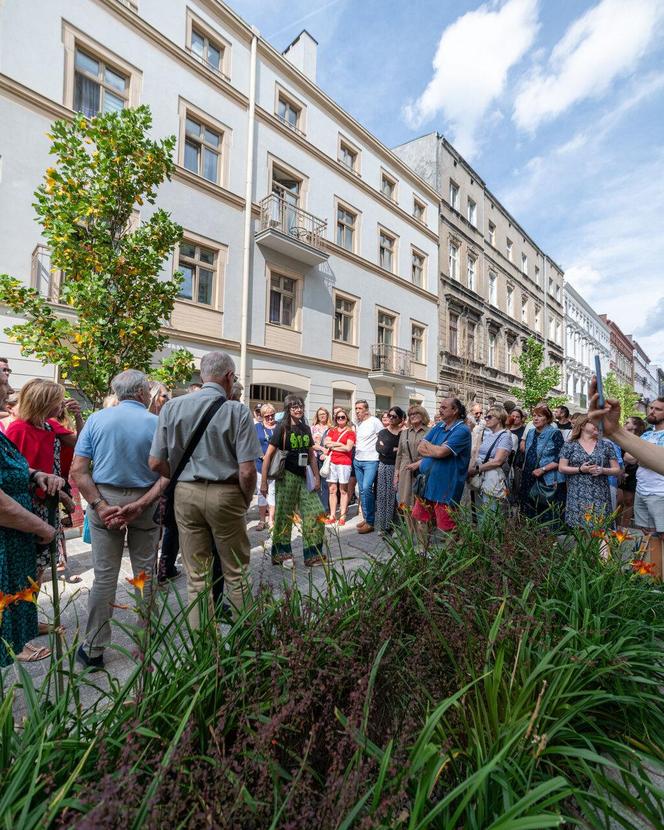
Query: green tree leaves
[{"x": 537, "y": 381}]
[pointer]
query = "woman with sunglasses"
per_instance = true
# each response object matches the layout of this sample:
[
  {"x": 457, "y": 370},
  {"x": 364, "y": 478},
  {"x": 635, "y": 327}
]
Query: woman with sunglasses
[
  {"x": 340, "y": 442},
  {"x": 387, "y": 444},
  {"x": 266, "y": 504},
  {"x": 292, "y": 496}
]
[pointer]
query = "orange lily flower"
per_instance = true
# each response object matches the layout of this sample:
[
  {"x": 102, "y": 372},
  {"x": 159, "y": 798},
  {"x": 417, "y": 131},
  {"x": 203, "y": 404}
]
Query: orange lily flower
[
  {"x": 598, "y": 534},
  {"x": 643, "y": 568},
  {"x": 588, "y": 517},
  {"x": 6, "y": 600},
  {"x": 138, "y": 581},
  {"x": 620, "y": 535}
]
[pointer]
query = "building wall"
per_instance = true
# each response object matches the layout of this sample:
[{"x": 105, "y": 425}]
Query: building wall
[
  {"x": 621, "y": 362},
  {"x": 586, "y": 336},
  {"x": 151, "y": 46},
  {"x": 527, "y": 297}
]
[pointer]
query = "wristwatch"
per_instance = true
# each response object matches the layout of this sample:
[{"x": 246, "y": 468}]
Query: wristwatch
[{"x": 95, "y": 504}]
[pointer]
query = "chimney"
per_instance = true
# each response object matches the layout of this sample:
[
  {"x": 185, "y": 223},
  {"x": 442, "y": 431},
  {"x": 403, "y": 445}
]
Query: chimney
[{"x": 302, "y": 54}]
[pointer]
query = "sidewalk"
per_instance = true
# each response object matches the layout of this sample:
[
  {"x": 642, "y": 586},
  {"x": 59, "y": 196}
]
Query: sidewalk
[{"x": 347, "y": 550}]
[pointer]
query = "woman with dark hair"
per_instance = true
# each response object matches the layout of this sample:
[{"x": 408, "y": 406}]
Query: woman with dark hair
[
  {"x": 387, "y": 444},
  {"x": 293, "y": 498},
  {"x": 540, "y": 477},
  {"x": 587, "y": 460},
  {"x": 636, "y": 426}
]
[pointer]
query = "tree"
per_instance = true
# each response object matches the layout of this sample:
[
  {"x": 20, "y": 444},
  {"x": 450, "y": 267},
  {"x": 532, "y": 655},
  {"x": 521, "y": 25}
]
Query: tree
[
  {"x": 106, "y": 168},
  {"x": 624, "y": 394},
  {"x": 537, "y": 381},
  {"x": 177, "y": 367}
]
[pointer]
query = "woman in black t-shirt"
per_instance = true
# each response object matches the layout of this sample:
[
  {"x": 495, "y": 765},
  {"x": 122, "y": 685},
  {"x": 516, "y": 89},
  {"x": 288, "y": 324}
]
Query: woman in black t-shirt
[
  {"x": 387, "y": 443},
  {"x": 293, "y": 497}
]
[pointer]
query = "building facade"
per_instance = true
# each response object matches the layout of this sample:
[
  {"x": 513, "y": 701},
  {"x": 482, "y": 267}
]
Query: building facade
[
  {"x": 586, "y": 335},
  {"x": 646, "y": 383},
  {"x": 497, "y": 287},
  {"x": 621, "y": 362},
  {"x": 310, "y": 250}
]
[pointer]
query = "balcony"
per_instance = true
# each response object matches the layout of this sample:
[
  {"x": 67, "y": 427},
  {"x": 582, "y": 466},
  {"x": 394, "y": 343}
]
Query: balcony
[
  {"x": 42, "y": 279},
  {"x": 390, "y": 363},
  {"x": 289, "y": 230}
]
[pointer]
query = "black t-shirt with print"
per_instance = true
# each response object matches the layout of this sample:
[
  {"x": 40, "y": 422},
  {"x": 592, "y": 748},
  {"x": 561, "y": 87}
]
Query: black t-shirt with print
[{"x": 298, "y": 441}]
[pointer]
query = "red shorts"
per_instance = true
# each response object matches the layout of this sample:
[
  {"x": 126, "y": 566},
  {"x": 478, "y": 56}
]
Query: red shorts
[{"x": 426, "y": 511}]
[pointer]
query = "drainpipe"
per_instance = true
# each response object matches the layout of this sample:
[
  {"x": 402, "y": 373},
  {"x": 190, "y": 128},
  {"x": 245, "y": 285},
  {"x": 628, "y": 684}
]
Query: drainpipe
[
  {"x": 248, "y": 202},
  {"x": 546, "y": 313}
]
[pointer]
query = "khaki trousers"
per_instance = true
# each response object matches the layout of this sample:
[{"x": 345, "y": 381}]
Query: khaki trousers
[
  {"x": 107, "y": 546},
  {"x": 203, "y": 508}
]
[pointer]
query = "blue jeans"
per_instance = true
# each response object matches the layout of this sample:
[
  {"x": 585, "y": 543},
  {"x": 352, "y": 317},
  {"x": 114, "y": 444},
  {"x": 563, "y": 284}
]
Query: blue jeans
[{"x": 365, "y": 472}]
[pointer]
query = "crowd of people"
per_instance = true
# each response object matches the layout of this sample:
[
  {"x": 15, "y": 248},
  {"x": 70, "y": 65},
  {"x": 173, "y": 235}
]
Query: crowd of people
[{"x": 178, "y": 474}]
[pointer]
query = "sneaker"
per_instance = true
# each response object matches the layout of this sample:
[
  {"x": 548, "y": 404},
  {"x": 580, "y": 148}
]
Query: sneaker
[
  {"x": 314, "y": 560},
  {"x": 365, "y": 528},
  {"x": 94, "y": 663}
]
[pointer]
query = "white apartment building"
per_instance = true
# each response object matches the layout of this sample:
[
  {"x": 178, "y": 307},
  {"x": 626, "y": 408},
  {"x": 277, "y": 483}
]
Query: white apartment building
[
  {"x": 497, "y": 287},
  {"x": 646, "y": 381},
  {"x": 586, "y": 335},
  {"x": 310, "y": 250}
]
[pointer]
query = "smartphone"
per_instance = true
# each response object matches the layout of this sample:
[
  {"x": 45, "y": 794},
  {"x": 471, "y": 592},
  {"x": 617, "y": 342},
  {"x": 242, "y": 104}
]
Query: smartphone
[{"x": 600, "y": 385}]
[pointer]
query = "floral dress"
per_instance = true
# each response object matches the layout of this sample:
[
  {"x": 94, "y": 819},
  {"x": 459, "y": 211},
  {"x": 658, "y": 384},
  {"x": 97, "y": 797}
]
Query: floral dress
[
  {"x": 586, "y": 493},
  {"x": 17, "y": 556}
]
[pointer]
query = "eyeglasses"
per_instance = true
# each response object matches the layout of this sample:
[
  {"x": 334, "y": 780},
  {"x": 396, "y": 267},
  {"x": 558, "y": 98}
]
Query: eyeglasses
[
  {"x": 486, "y": 417},
  {"x": 269, "y": 417}
]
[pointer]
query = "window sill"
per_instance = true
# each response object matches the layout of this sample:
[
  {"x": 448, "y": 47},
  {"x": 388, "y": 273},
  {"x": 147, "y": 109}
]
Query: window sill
[
  {"x": 193, "y": 303},
  {"x": 283, "y": 328},
  {"x": 344, "y": 343}
]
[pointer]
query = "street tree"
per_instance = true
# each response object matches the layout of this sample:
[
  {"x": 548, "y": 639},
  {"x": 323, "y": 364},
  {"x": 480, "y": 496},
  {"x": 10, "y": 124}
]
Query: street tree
[
  {"x": 177, "y": 367},
  {"x": 624, "y": 394},
  {"x": 538, "y": 380},
  {"x": 111, "y": 303}
]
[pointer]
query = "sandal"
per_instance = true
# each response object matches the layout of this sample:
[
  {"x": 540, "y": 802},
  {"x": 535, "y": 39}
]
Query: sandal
[
  {"x": 30, "y": 654},
  {"x": 260, "y": 526}
]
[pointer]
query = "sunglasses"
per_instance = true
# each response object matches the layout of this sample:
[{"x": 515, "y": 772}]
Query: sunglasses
[
  {"x": 269, "y": 417},
  {"x": 341, "y": 418}
]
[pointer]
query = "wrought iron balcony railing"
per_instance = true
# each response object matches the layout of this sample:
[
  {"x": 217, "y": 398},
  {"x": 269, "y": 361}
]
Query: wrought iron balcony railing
[
  {"x": 391, "y": 359},
  {"x": 280, "y": 214}
]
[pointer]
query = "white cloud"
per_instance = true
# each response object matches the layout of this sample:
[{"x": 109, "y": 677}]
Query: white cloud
[
  {"x": 600, "y": 46},
  {"x": 583, "y": 277},
  {"x": 654, "y": 322},
  {"x": 474, "y": 56}
]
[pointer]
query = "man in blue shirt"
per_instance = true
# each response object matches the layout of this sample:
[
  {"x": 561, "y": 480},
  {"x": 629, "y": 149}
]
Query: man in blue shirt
[
  {"x": 446, "y": 456},
  {"x": 121, "y": 491}
]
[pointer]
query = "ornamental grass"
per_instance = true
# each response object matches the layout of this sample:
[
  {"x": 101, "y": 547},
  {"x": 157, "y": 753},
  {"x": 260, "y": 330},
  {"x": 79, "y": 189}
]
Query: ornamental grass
[{"x": 507, "y": 679}]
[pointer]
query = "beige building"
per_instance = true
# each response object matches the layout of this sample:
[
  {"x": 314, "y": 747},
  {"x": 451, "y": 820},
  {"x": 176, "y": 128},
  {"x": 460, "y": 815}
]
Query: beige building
[{"x": 497, "y": 287}]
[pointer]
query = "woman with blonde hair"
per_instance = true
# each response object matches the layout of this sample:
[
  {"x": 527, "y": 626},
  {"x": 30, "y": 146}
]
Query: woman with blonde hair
[
  {"x": 40, "y": 438},
  {"x": 322, "y": 424},
  {"x": 417, "y": 424},
  {"x": 159, "y": 395}
]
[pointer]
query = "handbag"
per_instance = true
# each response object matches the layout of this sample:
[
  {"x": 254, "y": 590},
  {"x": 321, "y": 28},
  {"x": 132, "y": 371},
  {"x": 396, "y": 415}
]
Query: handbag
[
  {"x": 493, "y": 482},
  {"x": 278, "y": 461},
  {"x": 164, "y": 514},
  {"x": 324, "y": 469}
]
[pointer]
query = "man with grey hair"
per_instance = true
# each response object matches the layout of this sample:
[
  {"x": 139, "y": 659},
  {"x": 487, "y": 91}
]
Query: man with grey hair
[
  {"x": 120, "y": 490},
  {"x": 217, "y": 483}
]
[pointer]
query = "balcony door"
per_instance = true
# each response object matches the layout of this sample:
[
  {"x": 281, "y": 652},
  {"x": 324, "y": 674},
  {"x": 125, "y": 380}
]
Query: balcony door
[{"x": 288, "y": 191}]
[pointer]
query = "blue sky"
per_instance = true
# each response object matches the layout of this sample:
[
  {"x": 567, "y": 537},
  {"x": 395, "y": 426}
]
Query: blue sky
[{"x": 558, "y": 104}]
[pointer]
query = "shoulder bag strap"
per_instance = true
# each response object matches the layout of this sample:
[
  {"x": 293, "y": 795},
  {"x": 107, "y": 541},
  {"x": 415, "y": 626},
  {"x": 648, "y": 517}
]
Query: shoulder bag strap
[
  {"x": 488, "y": 454},
  {"x": 196, "y": 437},
  {"x": 410, "y": 454}
]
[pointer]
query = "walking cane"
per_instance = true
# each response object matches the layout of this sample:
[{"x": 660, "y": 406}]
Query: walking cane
[{"x": 52, "y": 503}]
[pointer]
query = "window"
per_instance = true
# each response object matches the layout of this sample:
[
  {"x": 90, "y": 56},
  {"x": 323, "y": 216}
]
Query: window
[
  {"x": 344, "y": 316},
  {"x": 538, "y": 318},
  {"x": 98, "y": 87},
  {"x": 454, "y": 195},
  {"x": 510, "y": 355},
  {"x": 524, "y": 263},
  {"x": 348, "y": 155},
  {"x": 346, "y": 223},
  {"x": 388, "y": 186},
  {"x": 552, "y": 328},
  {"x": 202, "y": 149},
  {"x": 419, "y": 210},
  {"x": 524, "y": 309},
  {"x": 282, "y": 301},
  {"x": 383, "y": 404},
  {"x": 510, "y": 300},
  {"x": 206, "y": 50},
  {"x": 472, "y": 212},
  {"x": 454, "y": 261},
  {"x": 417, "y": 268},
  {"x": 289, "y": 112},
  {"x": 386, "y": 327},
  {"x": 493, "y": 285},
  {"x": 492, "y": 350},
  {"x": 558, "y": 333},
  {"x": 453, "y": 339},
  {"x": 537, "y": 275},
  {"x": 198, "y": 265},
  {"x": 470, "y": 341},
  {"x": 417, "y": 342},
  {"x": 492, "y": 234},
  {"x": 509, "y": 248},
  {"x": 470, "y": 272},
  {"x": 386, "y": 251}
]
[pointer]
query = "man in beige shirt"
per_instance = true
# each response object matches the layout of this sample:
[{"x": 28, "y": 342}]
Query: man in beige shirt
[{"x": 217, "y": 484}]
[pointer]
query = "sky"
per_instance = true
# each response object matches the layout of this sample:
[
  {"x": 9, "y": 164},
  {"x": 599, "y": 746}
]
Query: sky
[{"x": 557, "y": 104}]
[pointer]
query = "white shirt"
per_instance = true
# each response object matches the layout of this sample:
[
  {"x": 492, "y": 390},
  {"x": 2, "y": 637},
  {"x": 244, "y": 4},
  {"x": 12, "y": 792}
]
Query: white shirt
[
  {"x": 648, "y": 482},
  {"x": 366, "y": 433}
]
